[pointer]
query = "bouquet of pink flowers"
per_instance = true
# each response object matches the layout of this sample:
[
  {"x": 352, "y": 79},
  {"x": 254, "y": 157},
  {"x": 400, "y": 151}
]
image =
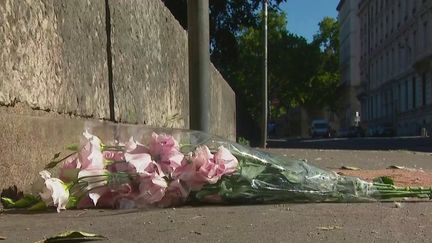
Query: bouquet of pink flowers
[{"x": 173, "y": 167}]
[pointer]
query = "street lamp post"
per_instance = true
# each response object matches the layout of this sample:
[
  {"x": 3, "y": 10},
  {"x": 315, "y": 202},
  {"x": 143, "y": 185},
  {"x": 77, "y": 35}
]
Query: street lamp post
[
  {"x": 199, "y": 64},
  {"x": 264, "y": 81}
]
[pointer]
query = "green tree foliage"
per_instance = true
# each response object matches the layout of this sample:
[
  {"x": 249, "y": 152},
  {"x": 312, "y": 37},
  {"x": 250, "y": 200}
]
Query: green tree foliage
[
  {"x": 299, "y": 73},
  {"x": 227, "y": 19},
  {"x": 326, "y": 81},
  {"x": 291, "y": 64}
]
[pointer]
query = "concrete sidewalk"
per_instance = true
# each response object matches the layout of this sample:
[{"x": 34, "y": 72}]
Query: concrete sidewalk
[
  {"x": 329, "y": 222},
  {"x": 363, "y": 222}
]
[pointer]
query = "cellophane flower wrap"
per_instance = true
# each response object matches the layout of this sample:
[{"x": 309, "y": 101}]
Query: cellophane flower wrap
[{"x": 143, "y": 167}]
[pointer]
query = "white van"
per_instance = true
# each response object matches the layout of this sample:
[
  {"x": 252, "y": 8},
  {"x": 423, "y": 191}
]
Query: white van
[{"x": 320, "y": 128}]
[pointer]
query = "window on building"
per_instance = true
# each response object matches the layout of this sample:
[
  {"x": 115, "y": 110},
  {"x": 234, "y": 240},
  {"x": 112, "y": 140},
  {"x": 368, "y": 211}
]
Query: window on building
[
  {"x": 385, "y": 104},
  {"x": 407, "y": 52},
  {"x": 392, "y": 62},
  {"x": 425, "y": 35},
  {"x": 414, "y": 93},
  {"x": 381, "y": 71},
  {"x": 399, "y": 14},
  {"x": 377, "y": 69},
  {"x": 400, "y": 56},
  {"x": 424, "y": 89},
  {"x": 386, "y": 26},
  {"x": 387, "y": 66},
  {"x": 400, "y": 96},
  {"x": 381, "y": 32},
  {"x": 406, "y": 95},
  {"x": 376, "y": 37}
]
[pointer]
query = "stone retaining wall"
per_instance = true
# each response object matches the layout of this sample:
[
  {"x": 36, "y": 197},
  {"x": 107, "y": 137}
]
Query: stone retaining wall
[{"x": 75, "y": 60}]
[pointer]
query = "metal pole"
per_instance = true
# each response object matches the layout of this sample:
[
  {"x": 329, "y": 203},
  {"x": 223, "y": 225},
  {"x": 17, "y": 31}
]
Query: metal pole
[
  {"x": 199, "y": 64},
  {"x": 264, "y": 82}
]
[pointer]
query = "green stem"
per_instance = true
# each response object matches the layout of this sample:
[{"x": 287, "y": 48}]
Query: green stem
[
  {"x": 54, "y": 163},
  {"x": 386, "y": 191},
  {"x": 112, "y": 148}
]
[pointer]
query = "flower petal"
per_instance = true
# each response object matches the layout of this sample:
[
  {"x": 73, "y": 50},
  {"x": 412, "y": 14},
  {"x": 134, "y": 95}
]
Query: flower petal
[
  {"x": 139, "y": 161},
  {"x": 45, "y": 174},
  {"x": 59, "y": 194},
  {"x": 226, "y": 158},
  {"x": 97, "y": 193}
]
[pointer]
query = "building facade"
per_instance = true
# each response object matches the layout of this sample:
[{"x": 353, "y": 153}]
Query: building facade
[
  {"x": 396, "y": 64},
  {"x": 349, "y": 38}
]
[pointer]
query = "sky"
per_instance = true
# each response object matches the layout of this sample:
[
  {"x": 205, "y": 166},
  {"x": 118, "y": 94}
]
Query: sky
[{"x": 304, "y": 15}]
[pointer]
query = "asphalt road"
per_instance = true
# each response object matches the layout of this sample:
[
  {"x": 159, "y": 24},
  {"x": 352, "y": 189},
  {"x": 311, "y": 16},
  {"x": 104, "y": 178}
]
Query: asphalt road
[
  {"x": 310, "y": 222},
  {"x": 419, "y": 144}
]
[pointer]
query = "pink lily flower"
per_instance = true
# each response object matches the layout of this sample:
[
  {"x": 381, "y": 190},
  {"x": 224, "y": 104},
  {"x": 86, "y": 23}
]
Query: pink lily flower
[
  {"x": 70, "y": 168},
  {"x": 199, "y": 169},
  {"x": 166, "y": 150},
  {"x": 137, "y": 155},
  {"x": 175, "y": 194},
  {"x": 224, "y": 157},
  {"x": 91, "y": 156},
  {"x": 152, "y": 186}
]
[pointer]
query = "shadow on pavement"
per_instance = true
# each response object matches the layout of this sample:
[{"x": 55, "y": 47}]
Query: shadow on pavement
[{"x": 419, "y": 144}]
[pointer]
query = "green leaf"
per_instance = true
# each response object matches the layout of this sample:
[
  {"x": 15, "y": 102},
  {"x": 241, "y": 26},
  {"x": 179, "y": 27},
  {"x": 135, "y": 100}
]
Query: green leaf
[
  {"x": 7, "y": 202},
  {"x": 74, "y": 236},
  {"x": 384, "y": 180},
  {"x": 38, "y": 206},
  {"x": 291, "y": 176},
  {"x": 72, "y": 147},
  {"x": 201, "y": 194},
  {"x": 26, "y": 201},
  {"x": 72, "y": 202},
  {"x": 250, "y": 171}
]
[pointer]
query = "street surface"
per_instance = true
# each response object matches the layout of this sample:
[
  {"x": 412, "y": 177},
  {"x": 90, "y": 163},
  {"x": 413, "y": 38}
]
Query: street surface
[
  {"x": 327, "y": 222},
  {"x": 418, "y": 144}
]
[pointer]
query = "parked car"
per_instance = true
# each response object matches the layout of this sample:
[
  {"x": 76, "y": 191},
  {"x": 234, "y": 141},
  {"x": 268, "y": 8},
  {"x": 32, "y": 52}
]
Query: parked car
[
  {"x": 385, "y": 131},
  {"x": 343, "y": 133},
  {"x": 380, "y": 131},
  {"x": 356, "y": 131},
  {"x": 321, "y": 128},
  {"x": 271, "y": 129},
  {"x": 371, "y": 131}
]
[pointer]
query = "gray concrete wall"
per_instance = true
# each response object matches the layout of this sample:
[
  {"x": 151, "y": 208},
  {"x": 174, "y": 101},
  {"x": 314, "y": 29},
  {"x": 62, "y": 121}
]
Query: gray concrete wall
[
  {"x": 55, "y": 75},
  {"x": 53, "y": 56},
  {"x": 223, "y": 109},
  {"x": 150, "y": 63}
]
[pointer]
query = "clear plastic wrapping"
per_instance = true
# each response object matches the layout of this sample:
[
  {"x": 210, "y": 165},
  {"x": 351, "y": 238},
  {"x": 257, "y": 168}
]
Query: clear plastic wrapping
[{"x": 130, "y": 166}]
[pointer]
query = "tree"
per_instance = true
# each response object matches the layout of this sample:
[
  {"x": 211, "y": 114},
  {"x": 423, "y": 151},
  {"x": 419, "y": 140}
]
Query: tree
[
  {"x": 326, "y": 82},
  {"x": 292, "y": 63},
  {"x": 227, "y": 19},
  {"x": 299, "y": 73}
]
